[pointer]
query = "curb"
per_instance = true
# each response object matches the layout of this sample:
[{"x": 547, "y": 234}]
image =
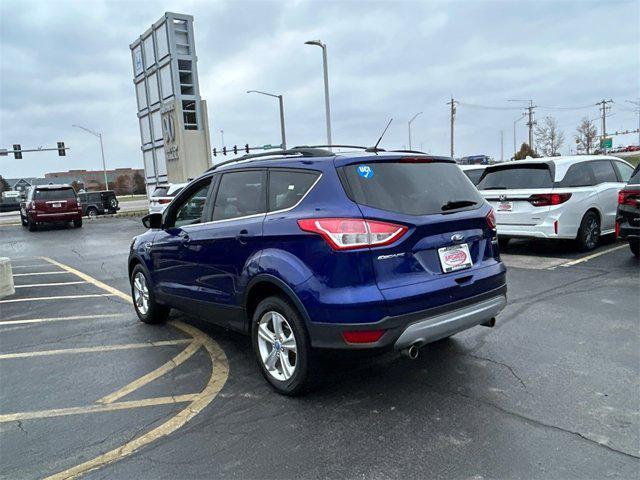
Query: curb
[{"x": 6, "y": 278}]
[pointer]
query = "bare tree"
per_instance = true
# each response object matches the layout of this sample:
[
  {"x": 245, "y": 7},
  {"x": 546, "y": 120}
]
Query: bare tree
[
  {"x": 585, "y": 136},
  {"x": 549, "y": 138}
]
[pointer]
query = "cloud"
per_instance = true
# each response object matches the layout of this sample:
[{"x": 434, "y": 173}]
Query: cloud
[{"x": 64, "y": 63}]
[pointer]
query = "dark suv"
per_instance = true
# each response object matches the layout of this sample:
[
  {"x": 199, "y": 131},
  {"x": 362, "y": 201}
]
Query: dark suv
[
  {"x": 51, "y": 204},
  {"x": 98, "y": 203},
  {"x": 310, "y": 249},
  {"x": 628, "y": 215}
]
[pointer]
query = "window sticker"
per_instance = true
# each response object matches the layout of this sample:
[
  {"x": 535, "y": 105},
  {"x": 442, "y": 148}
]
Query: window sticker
[{"x": 365, "y": 171}]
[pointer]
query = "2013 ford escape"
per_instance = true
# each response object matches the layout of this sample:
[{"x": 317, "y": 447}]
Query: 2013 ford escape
[{"x": 309, "y": 249}]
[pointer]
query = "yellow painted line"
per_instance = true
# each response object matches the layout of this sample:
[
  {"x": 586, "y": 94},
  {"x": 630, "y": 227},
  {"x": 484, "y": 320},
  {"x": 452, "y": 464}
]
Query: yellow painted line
[
  {"x": 102, "y": 348},
  {"x": 49, "y": 284},
  {"x": 192, "y": 348},
  {"x": 62, "y": 319},
  {"x": 219, "y": 374},
  {"x": 592, "y": 256},
  {"x": 90, "y": 279},
  {"x": 60, "y": 412},
  {"x": 62, "y": 297},
  {"x": 55, "y": 272}
]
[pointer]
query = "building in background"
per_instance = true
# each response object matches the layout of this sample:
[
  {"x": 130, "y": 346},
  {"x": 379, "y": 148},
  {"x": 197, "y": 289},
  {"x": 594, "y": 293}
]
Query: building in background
[
  {"x": 174, "y": 128},
  {"x": 124, "y": 181}
]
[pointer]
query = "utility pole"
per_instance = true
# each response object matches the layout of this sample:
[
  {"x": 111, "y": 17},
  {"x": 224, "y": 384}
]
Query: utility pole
[
  {"x": 531, "y": 123},
  {"x": 452, "y": 120},
  {"x": 410, "y": 122},
  {"x": 502, "y": 145},
  {"x": 603, "y": 109},
  {"x": 221, "y": 137}
]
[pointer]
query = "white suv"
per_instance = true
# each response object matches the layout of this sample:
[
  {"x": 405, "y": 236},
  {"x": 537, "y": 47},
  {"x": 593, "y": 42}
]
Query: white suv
[{"x": 571, "y": 197}]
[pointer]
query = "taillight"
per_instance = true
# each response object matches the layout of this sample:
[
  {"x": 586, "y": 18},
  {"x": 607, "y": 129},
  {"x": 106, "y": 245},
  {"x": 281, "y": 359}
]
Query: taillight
[
  {"x": 362, "y": 336},
  {"x": 164, "y": 200},
  {"x": 546, "y": 199},
  {"x": 350, "y": 233},
  {"x": 628, "y": 197},
  {"x": 491, "y": 220}
]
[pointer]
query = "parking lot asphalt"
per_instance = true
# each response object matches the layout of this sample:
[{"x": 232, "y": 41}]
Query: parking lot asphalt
[{"x": 551, "y": 392}]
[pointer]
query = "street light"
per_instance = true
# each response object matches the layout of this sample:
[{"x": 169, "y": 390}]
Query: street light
[
  {"x": 104, "y": 166},
  {"x": 410, "y": 122},
  {"x": 514, "y": 133},
  {"x": 318, "y": 43},
  {"x": 221, "y": 137},
  {"x": 281, "y": 103}
]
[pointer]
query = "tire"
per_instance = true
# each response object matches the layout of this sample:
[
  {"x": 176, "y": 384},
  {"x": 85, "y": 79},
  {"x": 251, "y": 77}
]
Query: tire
[
  {"x": 634, "y": 245},
  {"x": 503, "y": 242},
  {"x": 92, "y": 213},
  {"x": 77, "y": 223},
  {"x": 33, "y": 226},
  {"x": 589, "y": 232},
  {"x": 297, "y": 355},
  {"x": 148, "y": 311}
]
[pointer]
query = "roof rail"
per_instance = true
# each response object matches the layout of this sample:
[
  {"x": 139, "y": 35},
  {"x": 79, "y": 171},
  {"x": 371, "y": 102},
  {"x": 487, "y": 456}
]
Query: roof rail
[
  {"x": 299, "y": 151},
  {"x": 366, "y": 149}
]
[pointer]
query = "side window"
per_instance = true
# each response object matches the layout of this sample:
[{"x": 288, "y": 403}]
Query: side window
[
  {"x": 578, "y": 175},
  {"x": 189, "y": 210},
  {"x": 603, "y": 172},
  {"x": 240, "y": 194},
  {"x": 286, "y": 188},
  {"x": 624, "y": 171}
]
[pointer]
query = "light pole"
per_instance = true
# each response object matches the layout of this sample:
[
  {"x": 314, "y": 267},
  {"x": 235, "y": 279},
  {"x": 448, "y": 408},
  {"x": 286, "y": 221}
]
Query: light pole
[
  {"x": 410, "y": 122},
  {"x": 104, "y": 165},
  {"x": 514, "y": 133},
  {"x": 637, "y": 105},
  {"x": 318, "y": 43},
  {"x": 281, "y": 103},
  {"x": 221, "y": 137}
]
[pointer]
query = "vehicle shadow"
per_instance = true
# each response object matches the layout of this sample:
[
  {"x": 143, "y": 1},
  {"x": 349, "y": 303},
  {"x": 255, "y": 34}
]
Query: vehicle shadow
[{"x": 552, "y": 248}]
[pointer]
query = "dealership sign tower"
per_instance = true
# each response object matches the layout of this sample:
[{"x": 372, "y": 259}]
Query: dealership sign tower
[{"x": 174, "y": 128}]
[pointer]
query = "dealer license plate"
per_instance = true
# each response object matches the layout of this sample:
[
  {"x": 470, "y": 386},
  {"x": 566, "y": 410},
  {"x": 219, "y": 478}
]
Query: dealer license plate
[
  {"x": 455, "y": 257},
  {"x": 57, "y": 205},
  {"x": 505, "y": 206}
]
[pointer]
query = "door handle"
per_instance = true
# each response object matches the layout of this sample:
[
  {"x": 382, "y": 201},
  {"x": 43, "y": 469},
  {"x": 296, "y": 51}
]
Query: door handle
[{"x": 242, "y": 236}]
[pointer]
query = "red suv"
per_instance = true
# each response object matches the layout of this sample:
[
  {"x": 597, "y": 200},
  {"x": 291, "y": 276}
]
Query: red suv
[{"x": 51, "y": 204}]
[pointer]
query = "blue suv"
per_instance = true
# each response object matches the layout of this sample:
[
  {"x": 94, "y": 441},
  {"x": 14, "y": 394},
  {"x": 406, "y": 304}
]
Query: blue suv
[{"x": 308, "y": 249}]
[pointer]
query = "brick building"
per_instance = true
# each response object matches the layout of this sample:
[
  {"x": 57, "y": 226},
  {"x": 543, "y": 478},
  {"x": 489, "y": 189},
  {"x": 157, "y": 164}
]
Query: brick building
[{"x": 122, "y": 180}]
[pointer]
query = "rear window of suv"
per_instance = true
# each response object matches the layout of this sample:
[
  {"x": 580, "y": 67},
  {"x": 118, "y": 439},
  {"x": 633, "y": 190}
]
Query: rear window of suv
[
  {"x": 422, "y": 188},
  {"x": 507, "y": 177},
  {"x": 54, "y": 194}
]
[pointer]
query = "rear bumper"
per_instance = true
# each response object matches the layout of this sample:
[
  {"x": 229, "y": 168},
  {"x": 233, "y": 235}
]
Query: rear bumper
[
  {"x": 423, "y": 326},
  {"x": 55, "y": 217},
  {"x": 543, "y": 230}
]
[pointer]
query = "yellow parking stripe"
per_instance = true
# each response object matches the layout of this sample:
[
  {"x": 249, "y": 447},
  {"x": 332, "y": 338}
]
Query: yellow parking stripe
[
  {"x": 63, "y": 297},
  {"x": 61, "y": 319},
  {"x": 59, "y": 412},
  {"x": 49, "y": 284},
  {"x": 102, "y": 348},
  {"x": 594, "y": 255},
  {"x": 187, "y": 353}
]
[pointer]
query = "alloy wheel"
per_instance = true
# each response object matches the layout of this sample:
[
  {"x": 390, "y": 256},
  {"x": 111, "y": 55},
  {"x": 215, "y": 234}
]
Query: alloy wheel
[
  {"x": 277, "y": 345},
  {"x": 141, "y": 293},
  {"x": 592, "y": 232}
]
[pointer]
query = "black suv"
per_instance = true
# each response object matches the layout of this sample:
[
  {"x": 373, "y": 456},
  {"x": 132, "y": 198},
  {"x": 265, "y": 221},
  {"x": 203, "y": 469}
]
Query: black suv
[
  {"x": 98, "y": 203},
  {"x": 628, "y": 215}
]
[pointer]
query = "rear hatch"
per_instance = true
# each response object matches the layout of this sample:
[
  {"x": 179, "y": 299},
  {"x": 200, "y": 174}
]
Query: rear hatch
[
  {"x": 55, "y": 200},
  {"x": 509, "y": 189},
  {"x": 440, "y": 257}
]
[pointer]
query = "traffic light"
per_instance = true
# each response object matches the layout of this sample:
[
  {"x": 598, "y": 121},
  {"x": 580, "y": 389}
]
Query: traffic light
[
  {"x": 61, "y": 150},
  {"x": 215, "y": 152},
  {"x": 246, "y": 147},
  {"x": 17, "y": 151},
  {"x": 224, "y": 150},
  {"x": 235, "y": 149}
]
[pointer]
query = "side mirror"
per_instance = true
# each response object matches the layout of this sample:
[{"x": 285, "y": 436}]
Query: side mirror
[{"x": 152, "y": 220}]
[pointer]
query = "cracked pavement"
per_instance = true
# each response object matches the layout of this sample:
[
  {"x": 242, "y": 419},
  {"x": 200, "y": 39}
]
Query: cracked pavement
[{"x": 551, "y": 392}]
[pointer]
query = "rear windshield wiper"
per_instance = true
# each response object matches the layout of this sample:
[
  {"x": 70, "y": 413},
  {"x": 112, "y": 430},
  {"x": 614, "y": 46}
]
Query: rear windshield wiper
[{"x": 453, "y": 204}]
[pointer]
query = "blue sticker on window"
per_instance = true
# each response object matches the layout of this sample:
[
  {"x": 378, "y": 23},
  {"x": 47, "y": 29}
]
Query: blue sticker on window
[{"x": 365, "y": 171}]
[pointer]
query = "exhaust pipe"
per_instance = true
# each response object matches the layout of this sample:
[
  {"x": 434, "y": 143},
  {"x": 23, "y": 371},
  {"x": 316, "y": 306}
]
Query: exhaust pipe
[
  {"x": 491, "y": 323},
  {"x": 411, "y": 352}
]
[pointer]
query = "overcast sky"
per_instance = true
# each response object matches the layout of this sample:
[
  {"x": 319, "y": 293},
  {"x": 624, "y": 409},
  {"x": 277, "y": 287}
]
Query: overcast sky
[{"x": 69, "y": 62}]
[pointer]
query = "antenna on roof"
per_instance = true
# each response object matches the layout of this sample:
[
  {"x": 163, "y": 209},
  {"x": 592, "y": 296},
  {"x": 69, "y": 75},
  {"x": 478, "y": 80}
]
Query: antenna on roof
[{"x": 375, "y": 147}]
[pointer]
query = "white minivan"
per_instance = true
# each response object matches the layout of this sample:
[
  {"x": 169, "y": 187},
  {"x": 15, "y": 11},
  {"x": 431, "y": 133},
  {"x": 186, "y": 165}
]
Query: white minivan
[{"x": 573, "y": 197}]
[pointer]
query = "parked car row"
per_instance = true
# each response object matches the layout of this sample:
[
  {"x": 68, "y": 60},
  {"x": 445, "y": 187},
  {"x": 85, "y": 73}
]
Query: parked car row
[{"x": 61, "y": 204}]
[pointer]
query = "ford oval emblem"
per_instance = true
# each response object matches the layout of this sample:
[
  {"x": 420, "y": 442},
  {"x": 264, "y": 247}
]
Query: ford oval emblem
[{"x": 457, "y": 237}]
